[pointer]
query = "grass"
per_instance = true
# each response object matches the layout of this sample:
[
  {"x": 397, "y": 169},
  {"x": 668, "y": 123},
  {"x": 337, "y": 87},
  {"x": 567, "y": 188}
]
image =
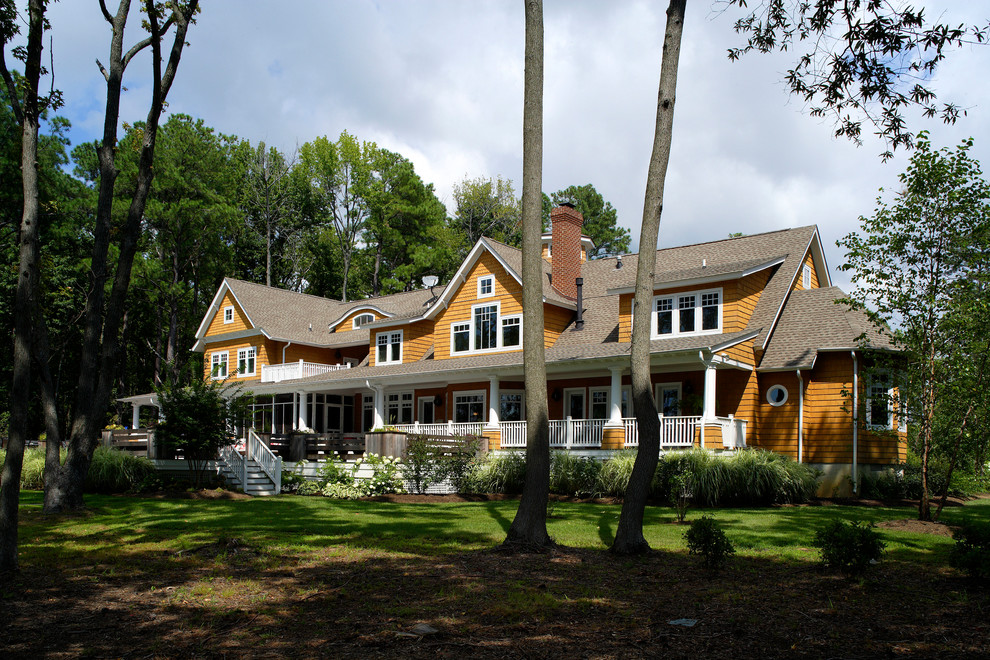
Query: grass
[
  {"x": 118, "y": 527},
  {"x": 309, "y": 576}
]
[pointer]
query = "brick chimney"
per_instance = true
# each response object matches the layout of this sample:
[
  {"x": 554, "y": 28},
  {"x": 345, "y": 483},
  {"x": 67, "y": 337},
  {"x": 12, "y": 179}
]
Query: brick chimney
[{"x": 565, "y": 261}]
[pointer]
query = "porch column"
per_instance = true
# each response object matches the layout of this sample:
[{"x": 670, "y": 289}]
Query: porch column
[
  {"x": 379, "y": 406},
  {"x": 708, "y": 411},
  {"x": 615, "y": 414},
  {"x": 303, "y": 418},
  {"x": 135, "y": 416},
  {"x": 493, "y": 403}
]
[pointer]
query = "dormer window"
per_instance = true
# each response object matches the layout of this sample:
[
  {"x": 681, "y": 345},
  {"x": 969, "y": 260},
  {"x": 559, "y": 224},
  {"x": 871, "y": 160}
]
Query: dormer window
[
  {"x": 362, "y": 319},
  {"x": 486, "y": 331},
  {"x": 486, "y": 286},
  {"x": 687, "y": 314},
  {"x": 389, "y": 345},
  {"x": 228, "y": 314}
]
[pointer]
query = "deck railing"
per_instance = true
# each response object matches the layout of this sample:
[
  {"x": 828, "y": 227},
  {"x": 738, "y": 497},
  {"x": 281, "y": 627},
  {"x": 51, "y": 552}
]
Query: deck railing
[
  {"x": 444, "y": 429},
  {"x": 675, "y": 431},
  {"x": 275, "y": 373}
]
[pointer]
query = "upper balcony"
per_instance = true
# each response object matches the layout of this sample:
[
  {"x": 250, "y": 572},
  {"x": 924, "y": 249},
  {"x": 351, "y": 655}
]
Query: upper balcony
[{"x": 275, "y": 373}]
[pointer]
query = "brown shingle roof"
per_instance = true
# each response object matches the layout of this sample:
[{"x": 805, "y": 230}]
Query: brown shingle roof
[
  {"x": 811, "y": 322},
  {"x": 299, "y": 317}
]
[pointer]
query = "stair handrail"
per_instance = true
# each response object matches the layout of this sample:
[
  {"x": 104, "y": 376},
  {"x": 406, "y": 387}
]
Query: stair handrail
[
  {"x": 266, "y": 459},
  {"x": 234, "y": 461}
]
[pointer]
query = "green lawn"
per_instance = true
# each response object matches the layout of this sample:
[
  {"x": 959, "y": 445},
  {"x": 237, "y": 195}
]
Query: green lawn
[{"x": 119, "y": 527}]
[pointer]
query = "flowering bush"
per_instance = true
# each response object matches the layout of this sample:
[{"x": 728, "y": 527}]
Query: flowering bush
[{"x": 385, "y": 476}]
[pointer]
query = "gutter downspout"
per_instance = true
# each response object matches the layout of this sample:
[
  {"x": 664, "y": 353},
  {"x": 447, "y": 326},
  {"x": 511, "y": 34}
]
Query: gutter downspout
[
  {"x": 855, "y": 476},
  {"x": 800, "y": 417},
  {"x": 283, "y": 351}
]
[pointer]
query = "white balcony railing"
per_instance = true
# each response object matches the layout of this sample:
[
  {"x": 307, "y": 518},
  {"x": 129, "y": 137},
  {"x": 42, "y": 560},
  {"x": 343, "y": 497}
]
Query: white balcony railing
[
  {"x": 443, "y": 428},
  {"x": 276, "y": 373}
]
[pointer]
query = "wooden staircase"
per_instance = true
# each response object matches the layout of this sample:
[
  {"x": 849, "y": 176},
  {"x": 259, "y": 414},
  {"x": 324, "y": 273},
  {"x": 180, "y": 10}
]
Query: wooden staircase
[{"x": 257, "y": 472}]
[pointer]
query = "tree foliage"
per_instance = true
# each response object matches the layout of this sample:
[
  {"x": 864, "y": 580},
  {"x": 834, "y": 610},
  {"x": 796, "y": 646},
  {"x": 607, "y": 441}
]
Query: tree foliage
[
  {"x": 487, "y": 206},
  {"x": 862, "y": 59},
  {"x": 920, "y": 267}
]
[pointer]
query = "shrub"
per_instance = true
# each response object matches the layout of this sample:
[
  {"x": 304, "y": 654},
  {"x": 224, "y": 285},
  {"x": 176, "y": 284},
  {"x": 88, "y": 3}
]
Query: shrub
[
  {"x": 497, "y": 473},
  {"x": 32, "y": 470},
  {"x": 113, "y": 471},
  {"x": 707, "y": 539},
  {"x": 422, "y": 463},
  {"x": 849, "y": 547},
  {"x": 574, "y": 475},
  {"x": 613, "y": 477},
  {"x": 458, "y": 463},
  {"x": 340, "y": 491},
  {"x": 309, "y": 488},
  {"x": 681, "y": 493},
  {"x": 972, "y": 549},
  {"x": 196, "y": 419},
  {"x": 385, "y": 476},
  {"x": 292, "y": 477},
  {"x": 334, "y": 471}
]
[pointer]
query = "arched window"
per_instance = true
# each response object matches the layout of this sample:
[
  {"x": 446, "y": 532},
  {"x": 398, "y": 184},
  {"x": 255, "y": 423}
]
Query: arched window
[{"x": 363, "y": 319}]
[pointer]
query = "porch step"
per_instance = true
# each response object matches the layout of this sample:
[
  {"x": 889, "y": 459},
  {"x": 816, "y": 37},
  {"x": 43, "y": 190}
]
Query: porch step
[{"x": 258, "y": 483}]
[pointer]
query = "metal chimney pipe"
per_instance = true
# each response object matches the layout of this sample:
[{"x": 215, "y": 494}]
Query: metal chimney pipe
[{"x": 579, "y": 321}]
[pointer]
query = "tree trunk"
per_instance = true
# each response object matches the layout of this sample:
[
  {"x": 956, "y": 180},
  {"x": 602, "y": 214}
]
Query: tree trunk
[
  {"x": 529, "y": 527},
  {"x": 629, "y": 537},
  {"x": 102, "y": 330},
  {"x": 26, "y": 296}
]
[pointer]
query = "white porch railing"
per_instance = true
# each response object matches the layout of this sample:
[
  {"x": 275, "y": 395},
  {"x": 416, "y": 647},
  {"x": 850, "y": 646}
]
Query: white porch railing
[
  {"x": 275, "y": 373},
  {"x": 446, "y": 429},
  {"x": 235, "y": 462},
  {"x": 513, "y": 434},
  {"x": 576, "y": 432},
  {"x": 676, "y": 431},
  {"x": 269, "y": 462}
]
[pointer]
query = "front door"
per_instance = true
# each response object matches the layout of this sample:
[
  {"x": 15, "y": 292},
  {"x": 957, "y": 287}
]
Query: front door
[
  {"x": 669, "y": 399},
  {"x": 574, "y": 403}
]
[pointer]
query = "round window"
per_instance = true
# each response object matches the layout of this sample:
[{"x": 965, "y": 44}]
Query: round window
[{"x": 777, "y": 395}]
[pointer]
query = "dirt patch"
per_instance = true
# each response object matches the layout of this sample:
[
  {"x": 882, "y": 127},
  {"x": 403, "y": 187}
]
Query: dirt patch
[
  {"x": 917, "y": 527},
  {"x": 344, "y": 603}
]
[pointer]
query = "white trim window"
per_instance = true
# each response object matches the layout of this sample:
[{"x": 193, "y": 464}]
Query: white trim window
[
  {"x": 469, "y": 406},
  {"x": 880, "y": 403},
  {"x": 600, "y": 404},
  {"x": 668, "y": 399},
  {"x": 512, "y": 406},
  {"x": 399, "y": 408},
  {"x": 228, "y": 314},
  {"x": 389, "y": 345},
  {"x": 806, "y": 277},
  {"x": 218, "y": 365},
  {"x": 486, "y": 331},
  {"x": 695, "y": 313},
  {"x": 362, "y": 319},
  {"x": 246, "y": 359},
  {"x": 486, "y": 286}
]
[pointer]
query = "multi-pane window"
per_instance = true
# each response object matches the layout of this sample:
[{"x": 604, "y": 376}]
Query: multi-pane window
[
  {"x": 485, "y": 327},
  {"x": 685, "y": 312},
  {"x": 469, "y": 407},
  {"x": 218, "y": 365},
  {"x": 228, "y": 314},
  {"x": 511, "y": 326},
  {"x": 486, "y": 286},
  {"x": 599, "y": 404},
  {"x": 665, "y": 311},
  {"x": 362, "y": 319},
  {"x": 246, "y": 361},
  {"x": 389, "y": 347},
  {"x": 688, "y": 313},
  {"x": 399, "y": 408},
  {"x": 879, "y": 408},
  {"x": 709, "y": 311},
  {"x": 511, "y": 406},
  {"x": 461, "y": 337}
]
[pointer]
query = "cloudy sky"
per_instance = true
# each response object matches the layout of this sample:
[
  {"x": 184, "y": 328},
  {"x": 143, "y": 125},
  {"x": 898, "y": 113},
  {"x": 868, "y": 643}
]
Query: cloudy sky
[{"x": 440, "y": 81}]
